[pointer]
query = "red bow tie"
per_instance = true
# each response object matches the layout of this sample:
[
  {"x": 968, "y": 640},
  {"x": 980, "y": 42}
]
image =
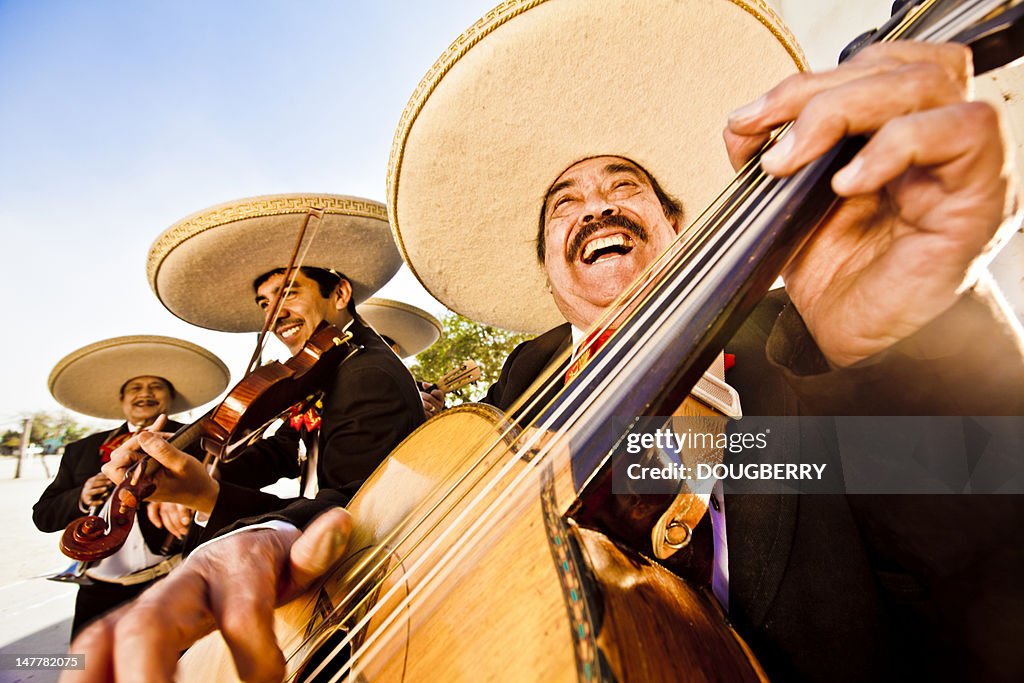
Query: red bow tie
[
  {"x": 591, "y": 345},
  {"x": 308, "y": 419}
]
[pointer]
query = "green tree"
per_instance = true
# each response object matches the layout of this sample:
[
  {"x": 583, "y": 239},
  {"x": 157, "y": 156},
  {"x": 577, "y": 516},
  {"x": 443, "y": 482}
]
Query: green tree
[
  {"x": 462, "y": 340},
  {"x": 10, "y": 440},
  {"x": 58, "y": 427}
]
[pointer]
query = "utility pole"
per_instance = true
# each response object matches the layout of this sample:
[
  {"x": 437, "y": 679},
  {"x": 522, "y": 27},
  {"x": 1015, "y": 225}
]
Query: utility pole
[{"x": 26, "y": 433}]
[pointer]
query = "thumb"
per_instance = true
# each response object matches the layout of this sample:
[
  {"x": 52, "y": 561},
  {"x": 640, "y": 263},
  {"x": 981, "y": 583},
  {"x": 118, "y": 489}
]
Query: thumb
[
  {"x": 321, "y": 545},
  {"x": 113, "y": 471},
  {"x": 158, "y": 424}
]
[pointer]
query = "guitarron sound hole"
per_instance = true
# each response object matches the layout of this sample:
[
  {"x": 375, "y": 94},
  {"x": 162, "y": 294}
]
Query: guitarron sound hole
[{"x": 325, "y": 652}]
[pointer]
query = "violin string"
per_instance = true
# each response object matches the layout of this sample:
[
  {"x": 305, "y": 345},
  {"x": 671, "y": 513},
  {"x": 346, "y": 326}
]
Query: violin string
[
  {"x": 945, "y": 26},
  {"x": 412, "y": 570}
]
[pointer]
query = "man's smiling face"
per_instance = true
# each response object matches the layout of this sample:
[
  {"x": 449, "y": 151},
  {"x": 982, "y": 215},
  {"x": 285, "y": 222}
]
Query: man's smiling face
[
  {"x": 603, "y": 225},
  {"x": 144, "y": 398},
  {"x": 303, "y": 309}
]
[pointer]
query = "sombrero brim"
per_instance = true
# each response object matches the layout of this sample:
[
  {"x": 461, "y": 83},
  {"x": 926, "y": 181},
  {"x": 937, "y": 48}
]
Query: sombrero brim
[
  {"x": 536, "y": 86},
  {"x": 412, "y": 328},
  {"x": 202, "y": 268},
  {"x": 89, "y": 380}
]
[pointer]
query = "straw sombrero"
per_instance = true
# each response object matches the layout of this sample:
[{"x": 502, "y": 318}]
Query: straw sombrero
[
  {"x": 202, "y": 267},
  {"x": 534, "y": 87},
  {"x": 412, "y": 328},
  {"x": 89, "y": 380}
]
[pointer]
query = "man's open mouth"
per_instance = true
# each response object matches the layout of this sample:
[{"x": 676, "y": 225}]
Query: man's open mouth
[
  {"x": 607, "y": 238},
  {"x": 288, "y": 331},
  {"x": 606, "y": 247},
  {"x": 144, "y": 403}
]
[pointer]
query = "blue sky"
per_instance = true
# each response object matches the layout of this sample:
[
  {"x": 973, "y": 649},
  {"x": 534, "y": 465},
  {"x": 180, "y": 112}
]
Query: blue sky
[{"x": 120, "y": 118}]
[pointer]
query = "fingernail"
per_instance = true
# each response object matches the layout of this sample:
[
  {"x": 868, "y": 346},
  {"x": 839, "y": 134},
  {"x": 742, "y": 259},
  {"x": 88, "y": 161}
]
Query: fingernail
[
  {"x": 780, "y": 150},
  {"x": 847, "y": 176},
  {"x": 338, "y": 541},
  {"x": 748, "y": 111}
]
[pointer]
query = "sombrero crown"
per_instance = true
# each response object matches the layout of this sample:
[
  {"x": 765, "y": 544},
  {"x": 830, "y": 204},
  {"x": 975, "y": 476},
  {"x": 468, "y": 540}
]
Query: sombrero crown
[
  {"x": 202, "y": 268},
  {"x": 534, "y": 87}
]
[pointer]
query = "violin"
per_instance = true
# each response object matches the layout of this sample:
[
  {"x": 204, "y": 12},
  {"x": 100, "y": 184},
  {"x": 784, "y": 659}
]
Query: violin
[{"x": 223, "y": 433}]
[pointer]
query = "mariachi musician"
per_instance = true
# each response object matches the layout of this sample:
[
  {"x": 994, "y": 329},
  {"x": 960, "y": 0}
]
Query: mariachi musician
[
  {"x": 885, "y": 312},
  {"x": 138, "y": 379},
  {"x": 335, "y": 441}
]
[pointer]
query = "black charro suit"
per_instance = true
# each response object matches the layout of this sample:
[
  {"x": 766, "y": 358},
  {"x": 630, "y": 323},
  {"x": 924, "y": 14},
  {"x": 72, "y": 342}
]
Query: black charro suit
[
  {"x": 59, "y": 506},
  {"x": 859, "y": 587},
  {"x": 370, "y": 407}
]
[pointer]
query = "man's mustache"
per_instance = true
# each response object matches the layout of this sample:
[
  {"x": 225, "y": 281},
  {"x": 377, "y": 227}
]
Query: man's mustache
[{"x": 615, "y": 221}]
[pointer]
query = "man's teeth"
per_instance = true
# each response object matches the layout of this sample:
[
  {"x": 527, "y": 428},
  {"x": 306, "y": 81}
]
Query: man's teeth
[
  {"x": 616, "y": 242},
  {"x": 290, "y": 331}
]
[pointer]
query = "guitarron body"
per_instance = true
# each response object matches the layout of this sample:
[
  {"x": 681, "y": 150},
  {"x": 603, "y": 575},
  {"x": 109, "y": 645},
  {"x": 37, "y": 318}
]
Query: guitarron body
[{"x": 463, "y": 566}]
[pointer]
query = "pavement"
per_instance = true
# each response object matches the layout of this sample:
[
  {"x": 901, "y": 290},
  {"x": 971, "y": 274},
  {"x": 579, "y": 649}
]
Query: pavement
[{"x": 35, "y": 614}]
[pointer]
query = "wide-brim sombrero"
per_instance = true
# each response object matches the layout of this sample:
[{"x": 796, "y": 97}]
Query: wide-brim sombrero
[
  {"x": 411, "y": 328},
  {"x": 202, "y": 268},
  {"x": 89, "y": 380},
  {"x": 534, "y": 87}
]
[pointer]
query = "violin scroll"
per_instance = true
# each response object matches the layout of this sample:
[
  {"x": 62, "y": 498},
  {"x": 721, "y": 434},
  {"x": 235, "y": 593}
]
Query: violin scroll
[{"x": 91, "y": 538}]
